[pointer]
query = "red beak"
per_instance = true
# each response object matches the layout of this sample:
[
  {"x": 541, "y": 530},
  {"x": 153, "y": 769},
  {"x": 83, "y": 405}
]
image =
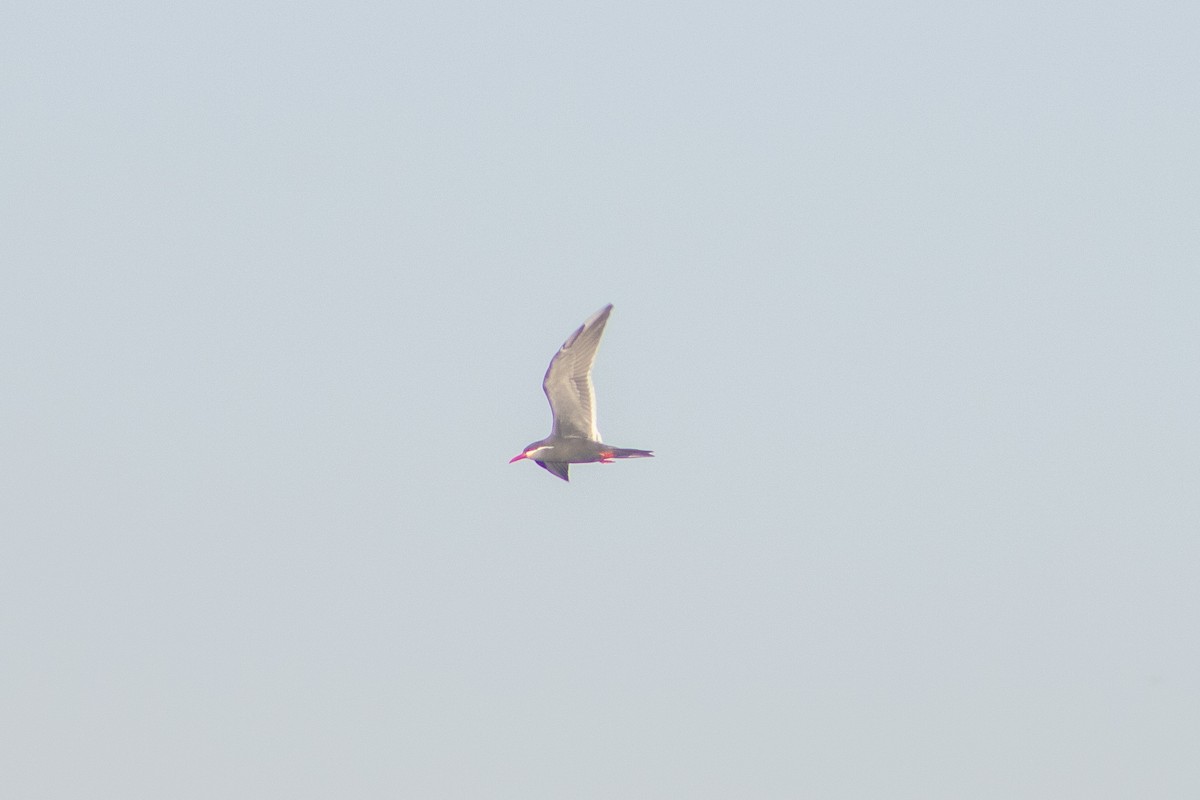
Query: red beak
[{"x": 518, "y": 457}]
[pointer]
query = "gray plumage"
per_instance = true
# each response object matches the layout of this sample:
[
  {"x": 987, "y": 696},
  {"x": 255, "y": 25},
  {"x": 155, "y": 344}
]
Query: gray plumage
[{"x": 574, "y": 438}]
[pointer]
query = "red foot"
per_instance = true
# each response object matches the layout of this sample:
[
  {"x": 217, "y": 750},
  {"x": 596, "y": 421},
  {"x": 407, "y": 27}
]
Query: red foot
[{"x": 606, "y": 458}]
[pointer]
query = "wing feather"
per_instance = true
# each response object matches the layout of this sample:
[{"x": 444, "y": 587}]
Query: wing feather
[{"x": 568, "y": 381}]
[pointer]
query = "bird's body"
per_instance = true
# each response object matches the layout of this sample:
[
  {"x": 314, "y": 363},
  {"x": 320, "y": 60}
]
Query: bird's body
[{"x": 574, "y": 438}]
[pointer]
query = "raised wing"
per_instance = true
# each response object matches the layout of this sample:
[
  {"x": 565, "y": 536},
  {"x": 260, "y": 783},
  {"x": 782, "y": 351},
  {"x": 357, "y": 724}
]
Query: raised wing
[{"x": 568, "y": 381}]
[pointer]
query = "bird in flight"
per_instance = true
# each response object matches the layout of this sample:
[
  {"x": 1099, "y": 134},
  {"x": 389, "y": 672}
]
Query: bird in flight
[{"x": 568, "y": 386}]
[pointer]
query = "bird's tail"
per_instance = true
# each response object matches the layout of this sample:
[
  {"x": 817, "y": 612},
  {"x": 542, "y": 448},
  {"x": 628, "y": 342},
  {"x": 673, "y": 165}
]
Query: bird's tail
[{"x": 629, "y": 452}]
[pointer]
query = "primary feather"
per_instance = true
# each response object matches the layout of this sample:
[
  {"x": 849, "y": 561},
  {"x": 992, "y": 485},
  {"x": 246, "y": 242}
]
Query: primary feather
[{"x": 568, "y": 381}]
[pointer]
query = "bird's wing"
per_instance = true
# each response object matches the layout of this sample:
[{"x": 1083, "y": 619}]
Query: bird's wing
[
  {"x": 560, "y": 468},
  {"x": 568, "y": 381}
]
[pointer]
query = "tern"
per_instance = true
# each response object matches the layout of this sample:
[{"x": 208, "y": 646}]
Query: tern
[{"x": 568, "y": 386}]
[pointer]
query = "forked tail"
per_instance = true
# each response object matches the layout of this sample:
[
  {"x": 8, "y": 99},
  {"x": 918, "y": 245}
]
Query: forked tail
[{"x": 629, "y": 452}]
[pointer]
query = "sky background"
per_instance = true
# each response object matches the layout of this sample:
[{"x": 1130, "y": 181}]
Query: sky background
[{"x": 906, "y": 304}]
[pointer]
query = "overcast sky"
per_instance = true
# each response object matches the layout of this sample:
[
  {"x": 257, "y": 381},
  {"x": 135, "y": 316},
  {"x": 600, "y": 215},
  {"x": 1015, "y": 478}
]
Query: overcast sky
[{"x": 906, "y": 302}]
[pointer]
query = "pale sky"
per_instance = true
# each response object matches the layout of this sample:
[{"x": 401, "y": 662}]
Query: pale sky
[{"x": 905, "y": 303}]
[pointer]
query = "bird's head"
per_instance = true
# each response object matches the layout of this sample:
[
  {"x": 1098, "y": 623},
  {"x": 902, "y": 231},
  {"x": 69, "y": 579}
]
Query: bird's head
[{"x": 531, "y": 451}]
